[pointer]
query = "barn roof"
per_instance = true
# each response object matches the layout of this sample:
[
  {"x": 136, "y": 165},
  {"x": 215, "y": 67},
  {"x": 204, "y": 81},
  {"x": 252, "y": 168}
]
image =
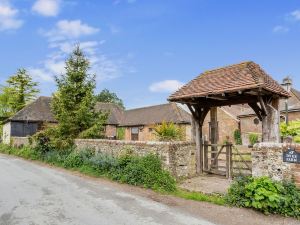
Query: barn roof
[
  {"x": 238, "y": 77},
  {"x": 169, "y": 112},
  {"x": 38, "y": 110},
  {"x": 115, "y": 112}
]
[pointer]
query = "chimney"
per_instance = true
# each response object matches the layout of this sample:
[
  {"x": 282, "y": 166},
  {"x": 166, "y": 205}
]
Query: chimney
[{"x": 287, "y": 83}]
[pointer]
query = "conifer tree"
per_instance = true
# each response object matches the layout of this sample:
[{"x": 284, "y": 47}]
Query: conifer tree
[{"x": 73, "y": 103}]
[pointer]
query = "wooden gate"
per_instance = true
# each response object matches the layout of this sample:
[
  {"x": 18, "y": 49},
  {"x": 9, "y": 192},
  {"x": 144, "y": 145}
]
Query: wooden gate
[{"x": 226, "y": 160}]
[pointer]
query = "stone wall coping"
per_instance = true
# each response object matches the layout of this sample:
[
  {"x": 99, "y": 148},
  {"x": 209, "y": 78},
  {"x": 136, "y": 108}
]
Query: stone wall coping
[
  {"x": 23, "y": 138},
  {"x": 274, "y": 145},
  {"x": 136, "y": 142}
]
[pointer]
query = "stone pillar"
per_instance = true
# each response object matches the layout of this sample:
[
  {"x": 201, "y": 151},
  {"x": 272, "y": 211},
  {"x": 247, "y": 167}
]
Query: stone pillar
[{"x": 267, "y": 160}]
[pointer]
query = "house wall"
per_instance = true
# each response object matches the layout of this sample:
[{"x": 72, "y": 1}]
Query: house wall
[
  {"x": 23, "y": 129},
  {"x": 6, "y": 134},
  {"x": 110, "y": 131},
  {"x": 248, "y": 126},
  {"x": 177, "y": 157},
  {"x": 146, "y": 133},
  {"x": 227, "y": 126},
  {"x": 18, "y": 129}
]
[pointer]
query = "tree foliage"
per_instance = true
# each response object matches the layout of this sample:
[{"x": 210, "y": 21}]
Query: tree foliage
[
  {"x": 19, "y": 90},
  {"x": 110, "y": 97},
  {"x": 73, "y": 102}
]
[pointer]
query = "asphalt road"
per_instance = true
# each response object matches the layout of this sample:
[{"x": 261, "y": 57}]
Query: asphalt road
[{"x": 32, "y": 194}]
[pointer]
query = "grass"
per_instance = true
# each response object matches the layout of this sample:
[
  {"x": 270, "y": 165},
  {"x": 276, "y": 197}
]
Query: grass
[{"x": 198, "y": 196}]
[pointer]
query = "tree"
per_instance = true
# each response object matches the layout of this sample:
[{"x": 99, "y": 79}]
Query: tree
[
  {"x": 106, "y": 96},
  {"x": 19, "y": 91},
  {"x": 73, "y": 103}
]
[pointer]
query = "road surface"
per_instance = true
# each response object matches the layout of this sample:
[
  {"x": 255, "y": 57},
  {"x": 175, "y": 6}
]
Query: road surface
[{"x": 39, "y": 195}]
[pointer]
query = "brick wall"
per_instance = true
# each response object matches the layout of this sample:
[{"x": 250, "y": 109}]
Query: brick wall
[
  {"x": 177, "y": 157},
  {"x": 146, "y": 133},
  {"x": 227, "y": 125}
]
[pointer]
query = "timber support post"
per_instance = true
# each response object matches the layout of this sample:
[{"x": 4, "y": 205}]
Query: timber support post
[
  {"x": 214, "y": 134},
  {"x": 271, "y": 122}
]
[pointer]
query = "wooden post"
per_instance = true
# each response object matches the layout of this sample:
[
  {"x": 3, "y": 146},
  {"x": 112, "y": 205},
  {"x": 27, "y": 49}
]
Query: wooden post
[
  {"x": 229, "y": 160},
  {"x": 205, "y": 162},
  {"x": 198, "y": 147},
  {"x": 271, "y": 122},
  {"x": 214, "y": 134}
]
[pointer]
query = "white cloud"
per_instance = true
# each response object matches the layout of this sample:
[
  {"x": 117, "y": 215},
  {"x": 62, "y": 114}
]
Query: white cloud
[
  {"x": 280, "y": 29},
  {"x": 166, "y": 86},
  {"x": 8, "y": 17},
  {"x": 104, "y": 67},
  {"x": 295, "y": 15},
  {"x": 70, "y": 29},
  {"x": 47, "y": 7}
]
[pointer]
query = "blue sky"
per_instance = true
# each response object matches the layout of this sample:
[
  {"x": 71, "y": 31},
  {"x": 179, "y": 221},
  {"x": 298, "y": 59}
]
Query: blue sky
[{"x": 143, "y": 50}]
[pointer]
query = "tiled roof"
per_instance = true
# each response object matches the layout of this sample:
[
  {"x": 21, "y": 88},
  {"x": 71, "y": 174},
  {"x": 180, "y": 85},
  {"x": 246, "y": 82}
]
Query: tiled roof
[
  {"x": 38, "y": 110},
  {"x": 115, "y": 112},
  {"x": 293, "y": 104},
  {"x": 242, "y": 76},
  {"x": 169, "y": 112}
]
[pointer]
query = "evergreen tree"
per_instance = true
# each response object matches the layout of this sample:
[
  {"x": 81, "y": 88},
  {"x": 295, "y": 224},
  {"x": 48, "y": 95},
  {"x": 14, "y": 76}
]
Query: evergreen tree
[
  {"x": 106, "y": 96},
  {"x": 19, "y": 91},
  {"x": 73, "y": 103}
]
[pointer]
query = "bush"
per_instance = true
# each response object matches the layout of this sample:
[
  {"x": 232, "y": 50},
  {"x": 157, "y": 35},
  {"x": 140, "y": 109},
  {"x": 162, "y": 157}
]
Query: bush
[
  {"x": 144, "y": 171},
  {"x": 120, "y": 133},
  {"x": 253, "y": 138},
  {"x": 77, "y": 159},
  {"x": 103, "y": 163},
  {"x": 292, "y": 129},
  {"x": 168, "y": 132},
  {"x": 265, "y": 195},
  {"x": 237, "y": 137}
]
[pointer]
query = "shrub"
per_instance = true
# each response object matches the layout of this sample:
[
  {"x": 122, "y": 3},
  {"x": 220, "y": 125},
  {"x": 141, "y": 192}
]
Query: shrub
[
  {"x": 120, "y": 133},
  {"x": 297, "y": 139},
  {"x": 292, "y": 129},
  {"x": 237, "y": 137},
  {"x": 103, "y": 163},
  {"x": 253, "y": 138},
  {"x": 77, "y": 159},
  {"x": 144, "y": 171},
  {"x": 168, "y": 132},
  {"x": 265, "y": 195}
]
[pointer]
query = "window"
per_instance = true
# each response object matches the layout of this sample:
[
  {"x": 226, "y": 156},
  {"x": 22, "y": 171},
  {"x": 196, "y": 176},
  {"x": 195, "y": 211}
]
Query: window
[{"x": 134, "y": 133}]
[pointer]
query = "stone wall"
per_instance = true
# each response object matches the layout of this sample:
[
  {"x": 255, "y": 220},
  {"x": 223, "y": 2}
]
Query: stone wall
[
  {"x": 19, "y": 141},
  {"x": 267, "y": 160},
  {"x": 177, "y": 157}
]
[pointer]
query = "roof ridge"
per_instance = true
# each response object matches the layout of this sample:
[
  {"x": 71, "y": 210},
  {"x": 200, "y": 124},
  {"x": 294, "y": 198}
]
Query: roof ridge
[
  {"x": 150, "y": 106},
  {"x": 226, "y": 67}
]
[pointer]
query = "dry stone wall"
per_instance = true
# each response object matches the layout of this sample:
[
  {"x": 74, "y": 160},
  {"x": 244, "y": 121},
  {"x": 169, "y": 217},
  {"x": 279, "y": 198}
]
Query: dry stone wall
[{"x": 177, "y": 157}]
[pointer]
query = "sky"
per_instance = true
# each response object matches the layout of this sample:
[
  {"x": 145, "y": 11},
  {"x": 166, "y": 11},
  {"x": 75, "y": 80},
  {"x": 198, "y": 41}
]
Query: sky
[{"x": 144, "y": 50}]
